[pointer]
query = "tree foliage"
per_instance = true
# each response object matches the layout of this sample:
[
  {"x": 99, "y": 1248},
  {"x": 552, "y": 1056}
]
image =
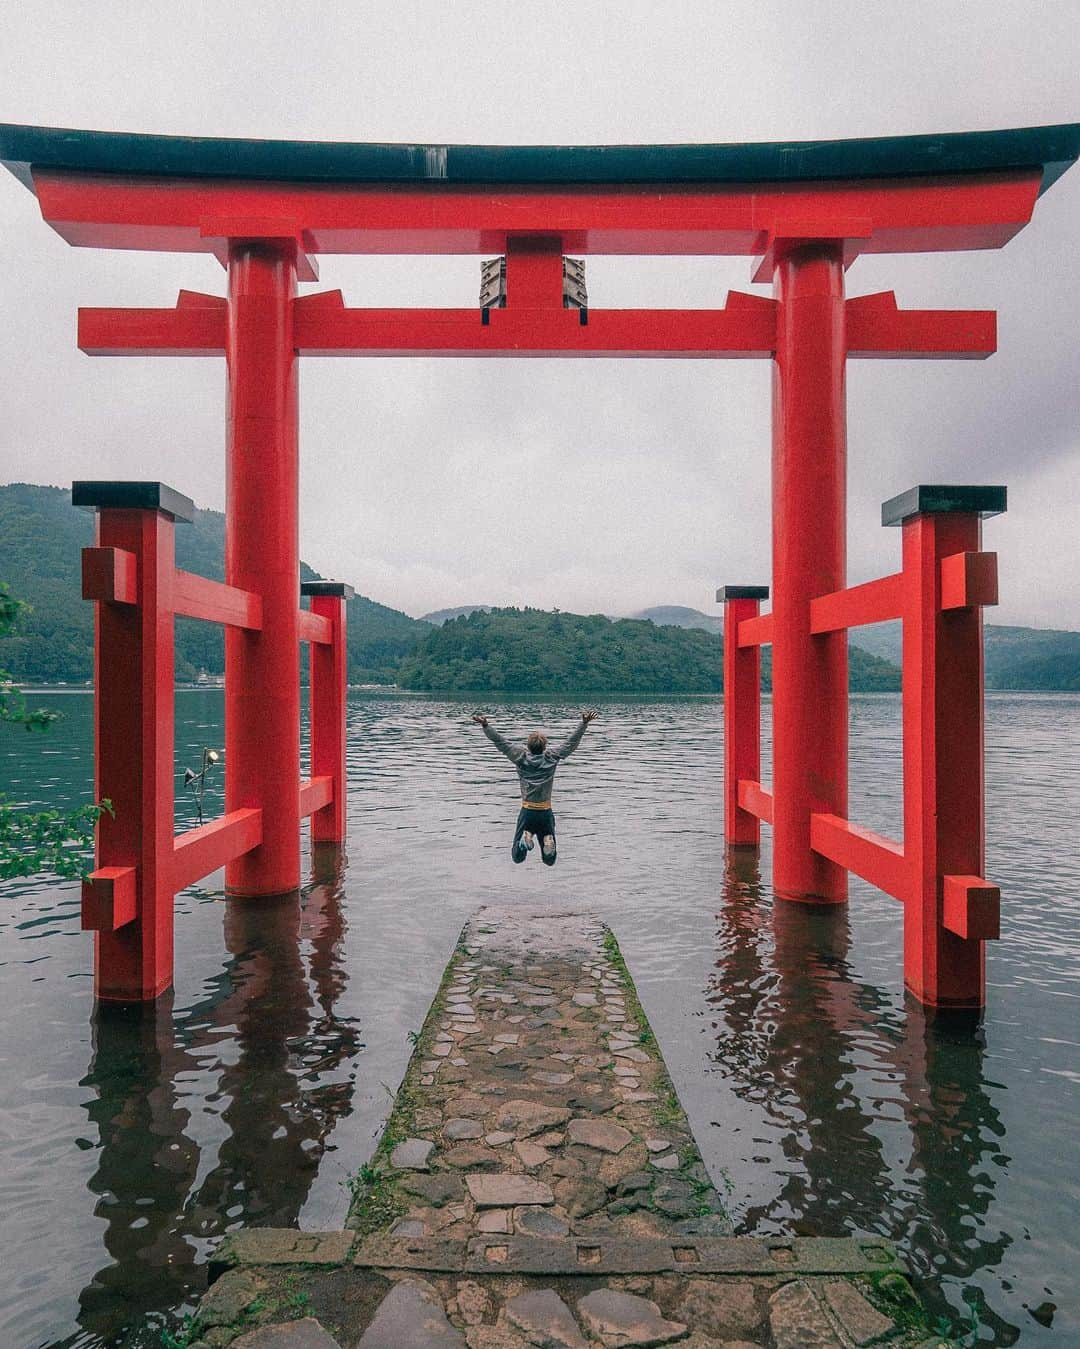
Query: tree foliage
[
  {"x": 41, "y": 540},
  {"x": 534, "y": 651},
  {"x": 45, "y": 840}
]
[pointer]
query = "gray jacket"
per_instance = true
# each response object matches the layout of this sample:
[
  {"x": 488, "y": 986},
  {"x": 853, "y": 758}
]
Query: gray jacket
[{"x": 536, "y": 772}]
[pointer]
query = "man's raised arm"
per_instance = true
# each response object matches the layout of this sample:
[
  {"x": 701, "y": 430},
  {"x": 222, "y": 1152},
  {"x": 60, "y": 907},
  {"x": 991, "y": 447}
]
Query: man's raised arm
[
  {"x": 571, "y": 743},
  {"x": 513, "y": 753}
]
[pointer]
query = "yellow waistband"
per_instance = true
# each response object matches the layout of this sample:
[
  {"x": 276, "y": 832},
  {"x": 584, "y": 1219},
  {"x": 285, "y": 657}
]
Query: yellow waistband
[{"x": 536, "y": 805}]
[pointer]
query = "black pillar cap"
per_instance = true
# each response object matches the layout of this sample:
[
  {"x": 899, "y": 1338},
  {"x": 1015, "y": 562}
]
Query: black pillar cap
[
  {"x": 742, "y": 593},
  {"x": 936, "y": 499},
  {"x": 133, "y": 496},
  {"x": 338, "y": 588}
]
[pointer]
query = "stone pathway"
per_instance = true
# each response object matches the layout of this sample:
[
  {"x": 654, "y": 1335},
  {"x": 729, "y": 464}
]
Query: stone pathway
[{"x": 537, "y": 1184}]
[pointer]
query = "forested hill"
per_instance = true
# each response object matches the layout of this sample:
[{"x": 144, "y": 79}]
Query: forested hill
[
  {"x": 41, "y": 539},
  {"x": 533, "y": 651}
]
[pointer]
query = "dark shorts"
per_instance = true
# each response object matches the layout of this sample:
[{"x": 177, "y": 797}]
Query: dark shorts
[{"x": 538, "y": 823}]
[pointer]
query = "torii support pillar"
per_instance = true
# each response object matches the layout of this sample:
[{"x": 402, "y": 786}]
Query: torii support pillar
[
  {"x": 262, "y": 555},
  {"x": 809, "y": 475}
]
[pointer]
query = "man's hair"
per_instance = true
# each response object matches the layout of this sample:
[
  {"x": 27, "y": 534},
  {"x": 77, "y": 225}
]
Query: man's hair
[{"x": 537, "y": 742}]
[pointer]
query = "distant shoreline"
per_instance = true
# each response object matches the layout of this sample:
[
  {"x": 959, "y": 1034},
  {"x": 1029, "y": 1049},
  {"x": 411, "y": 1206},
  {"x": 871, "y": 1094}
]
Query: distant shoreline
[{"x": 486, "y": 696}]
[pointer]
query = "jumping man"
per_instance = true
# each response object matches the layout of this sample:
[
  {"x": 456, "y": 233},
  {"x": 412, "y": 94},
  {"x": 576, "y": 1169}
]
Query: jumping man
[{"x": 536, "y": 765}]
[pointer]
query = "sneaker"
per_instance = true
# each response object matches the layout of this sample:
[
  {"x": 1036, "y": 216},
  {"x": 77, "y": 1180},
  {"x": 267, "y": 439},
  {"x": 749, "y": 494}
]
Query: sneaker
[
  {"x": 527, "y": 839},
  {"x": 549, "y": 845}
]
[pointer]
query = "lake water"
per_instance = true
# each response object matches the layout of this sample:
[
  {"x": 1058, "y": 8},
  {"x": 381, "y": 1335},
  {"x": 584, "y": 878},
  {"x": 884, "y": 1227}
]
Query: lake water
[{"x": 131, "y": 1143}]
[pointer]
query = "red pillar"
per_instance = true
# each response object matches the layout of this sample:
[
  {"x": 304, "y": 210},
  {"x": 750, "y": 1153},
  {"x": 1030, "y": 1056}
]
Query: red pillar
[
  {"x": 809, "y": 559},
  {"x": 262, "y": 677},
  {"x": 128, "y": 899},
  {"x": 328, "y": 679},
  {"x": 947, "y": 579},
  {"x": 742, "y": 712}
]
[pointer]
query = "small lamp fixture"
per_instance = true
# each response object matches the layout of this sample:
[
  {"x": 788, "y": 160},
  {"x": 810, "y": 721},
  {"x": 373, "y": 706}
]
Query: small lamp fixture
[{"x": 196, "y": 782}]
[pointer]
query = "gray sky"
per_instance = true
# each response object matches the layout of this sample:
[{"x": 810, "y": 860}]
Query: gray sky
[{"x": 422, "y": 481}]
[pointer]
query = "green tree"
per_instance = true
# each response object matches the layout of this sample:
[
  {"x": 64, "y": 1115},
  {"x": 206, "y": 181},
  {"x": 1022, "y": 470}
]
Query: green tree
[{"x": 43, "y": 840}]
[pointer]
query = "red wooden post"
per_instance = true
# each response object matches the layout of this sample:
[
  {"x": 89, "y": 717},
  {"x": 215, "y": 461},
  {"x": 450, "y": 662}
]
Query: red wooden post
[
  {"x": 262, "y": 554},
  {"x": 742, "y": 712},
  {"x": 810, "y": 696},
  {"x": 128, "y": 899},
  {"x": 950, "y": 909},
  {"x": 328, "y": 679}
]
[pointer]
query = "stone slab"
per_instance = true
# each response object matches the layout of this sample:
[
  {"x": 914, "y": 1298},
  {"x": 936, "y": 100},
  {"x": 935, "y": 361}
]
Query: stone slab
[
  {"x": 545, "y": 1320},
  {"x": 412, "y": 1315},
  {"x": 619, "y": 1320},
  {"x": 287, "y": 1246},
  {"x": 797, "y": 1321},
  {"x": 507, "y": 1190}
]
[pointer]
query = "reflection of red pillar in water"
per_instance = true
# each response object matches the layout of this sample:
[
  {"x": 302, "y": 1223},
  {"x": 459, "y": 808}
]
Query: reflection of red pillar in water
[
  {"x": 810, "y": 700},
  {"x": 262, "y": 684}
]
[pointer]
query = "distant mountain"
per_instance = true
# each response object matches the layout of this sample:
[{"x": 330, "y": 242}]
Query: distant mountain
[
  {"x": 441, "y": 616},
  {"x": 679, "y": 616},
  {"x": 534, "y": 651},
  {"x": 1016, "y": 658},
  {"x": 41, "y": 539}
]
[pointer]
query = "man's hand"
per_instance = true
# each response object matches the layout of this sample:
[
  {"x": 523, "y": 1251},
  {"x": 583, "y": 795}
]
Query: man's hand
[
  {"x": 588, "y": 714},
  {"x": 479, "y": 718}
]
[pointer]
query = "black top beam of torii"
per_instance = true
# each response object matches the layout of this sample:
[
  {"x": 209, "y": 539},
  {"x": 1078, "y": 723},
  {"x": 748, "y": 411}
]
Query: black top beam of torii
[{"x": 1050, "y": 148}]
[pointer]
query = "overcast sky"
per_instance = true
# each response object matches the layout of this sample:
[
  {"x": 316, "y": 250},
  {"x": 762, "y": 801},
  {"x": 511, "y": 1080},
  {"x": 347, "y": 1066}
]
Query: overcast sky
[{"x": 590, "y": 485}]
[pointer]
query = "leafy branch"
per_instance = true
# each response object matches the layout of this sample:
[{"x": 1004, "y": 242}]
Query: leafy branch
[
  {"x": 13, "y": 706},
  {"x": 47, "y": 840},
  {"x": 44, "y": 840}
]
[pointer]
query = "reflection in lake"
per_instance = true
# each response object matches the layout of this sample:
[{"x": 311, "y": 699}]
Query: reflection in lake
[
  {"x": 132, "y": 1142},
  {"x": 281, "y": 1085},
  {"x": 828, "y": 1060}
]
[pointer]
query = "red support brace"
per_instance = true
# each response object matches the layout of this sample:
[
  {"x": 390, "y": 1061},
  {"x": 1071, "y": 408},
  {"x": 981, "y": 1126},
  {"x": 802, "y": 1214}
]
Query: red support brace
[
  {"x": 130, "y": 574},
  {"x": 742, "y": 711},
  {"x": 128, "y": 899},
  {"x": 329, "y": 689},
  {"x": 951, "y": 909}
]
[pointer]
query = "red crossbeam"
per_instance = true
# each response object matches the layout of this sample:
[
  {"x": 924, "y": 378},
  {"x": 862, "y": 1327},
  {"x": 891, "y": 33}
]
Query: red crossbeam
[
  {"x": 744, "y": 329},
  {"x": 200, "y": 851},
  {"x": 877, "y": 329},
  {"x": 899, "y": 215},
  {"x": 109, "y": 899},
  {"x": 315, "y": 628},
  {"x": 756, "y": 800},
  {"x": 110, "y": 575},
  {"x": 195, "y": 327},
  {"x": 214, "y": 602},
  {"x": 874, "y": 602},
  {"x": 756, "y": 631},
  {"x": 968, "y": 580},
  {"x": 315, "y": 793},
  {"x": 874, "y": 857}
]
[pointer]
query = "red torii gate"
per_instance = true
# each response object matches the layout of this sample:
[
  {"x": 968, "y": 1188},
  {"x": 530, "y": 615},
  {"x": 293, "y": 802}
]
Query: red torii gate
[{"x": 803, "y": 211}]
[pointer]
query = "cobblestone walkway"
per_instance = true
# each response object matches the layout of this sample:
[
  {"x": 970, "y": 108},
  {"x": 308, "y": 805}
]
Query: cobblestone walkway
[{"x": 537, "y": 1184}]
